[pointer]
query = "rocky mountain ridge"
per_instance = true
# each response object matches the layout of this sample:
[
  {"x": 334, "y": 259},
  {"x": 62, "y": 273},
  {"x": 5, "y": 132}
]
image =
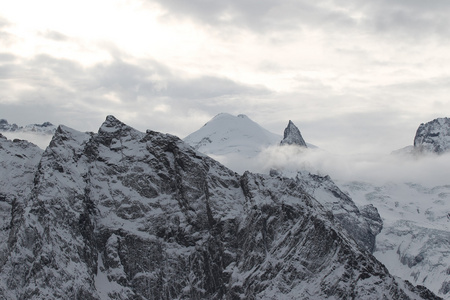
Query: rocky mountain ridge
[{"x": 122, "y": 214}]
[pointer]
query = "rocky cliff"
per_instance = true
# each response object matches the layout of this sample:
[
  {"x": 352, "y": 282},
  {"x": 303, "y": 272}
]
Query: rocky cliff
[
  {"x": 433, "y": 136},
  {"x": 122, "y": 214}
]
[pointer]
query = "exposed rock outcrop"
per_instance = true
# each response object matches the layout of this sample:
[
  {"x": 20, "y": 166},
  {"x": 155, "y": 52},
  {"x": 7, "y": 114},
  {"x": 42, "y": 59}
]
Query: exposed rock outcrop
[
  {"x": 292, "y": 136},
  {"x": 433, "y": 136}
]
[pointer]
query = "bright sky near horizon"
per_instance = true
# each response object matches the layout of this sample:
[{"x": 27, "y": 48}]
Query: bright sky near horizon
[{"x": 353, "y": 75}]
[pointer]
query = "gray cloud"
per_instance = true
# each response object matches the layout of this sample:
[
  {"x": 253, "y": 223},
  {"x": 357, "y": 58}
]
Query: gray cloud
[
  {"x": 54, "y": 35},
  {"x": 260, "y": 15},
  {"x": 409, "y": 19},
  {"x": 5, "y": 37},
  {"x": 144, "y": 88}
]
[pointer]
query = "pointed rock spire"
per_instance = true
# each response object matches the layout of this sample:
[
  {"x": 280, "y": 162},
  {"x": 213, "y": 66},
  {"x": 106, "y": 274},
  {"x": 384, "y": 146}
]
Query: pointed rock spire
[{"x": 292, "y": 136}]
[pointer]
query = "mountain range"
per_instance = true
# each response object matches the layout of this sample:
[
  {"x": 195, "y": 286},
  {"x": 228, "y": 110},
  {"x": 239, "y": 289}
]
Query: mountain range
[{"x": 124, "y": 214}]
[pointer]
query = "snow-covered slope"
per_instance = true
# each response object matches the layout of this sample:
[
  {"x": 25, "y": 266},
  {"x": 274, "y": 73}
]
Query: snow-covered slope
[
  {"x": 123, "y": 214},
  {"x": 415, "y": 241}
]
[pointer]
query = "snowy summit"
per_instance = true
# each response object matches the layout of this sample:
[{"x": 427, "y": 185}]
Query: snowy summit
[{"x": 225, "y": 134}]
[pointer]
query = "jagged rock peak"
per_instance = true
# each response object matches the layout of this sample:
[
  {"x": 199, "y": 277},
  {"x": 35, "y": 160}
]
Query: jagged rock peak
[
  {"x": 113, "y": 125},
  {"x": 292, "y": 136},
  {"x": 112, "y": 121},
  {"x": 112, "y": 130},
  {"x": 433, "y": 136}
]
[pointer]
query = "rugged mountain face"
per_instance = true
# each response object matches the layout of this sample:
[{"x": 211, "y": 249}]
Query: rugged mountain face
[
  {"x": 415, "y": 241},
  {"x": 18, "y": 163},
  {"x": 122, "y": 214},
  {"x": 362, "y": 224},
  {"x": 292, "y": 136},
  {"x": 433, "y": 136}
]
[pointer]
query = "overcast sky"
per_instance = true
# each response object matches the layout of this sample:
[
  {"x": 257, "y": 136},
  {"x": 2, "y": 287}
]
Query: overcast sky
[{"x": 352, "y": 75}]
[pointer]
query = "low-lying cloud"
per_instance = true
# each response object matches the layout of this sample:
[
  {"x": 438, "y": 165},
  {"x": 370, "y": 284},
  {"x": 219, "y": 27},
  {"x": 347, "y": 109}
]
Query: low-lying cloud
[{"x": 429, "y": 170}]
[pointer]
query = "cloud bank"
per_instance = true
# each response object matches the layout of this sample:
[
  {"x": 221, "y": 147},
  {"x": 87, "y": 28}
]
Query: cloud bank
[{"x": 378, "y": 169}]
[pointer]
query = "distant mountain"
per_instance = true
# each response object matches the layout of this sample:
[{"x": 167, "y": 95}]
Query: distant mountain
[
  {"x": 234, "y": 139},
  {"x": 123, "y": 214},
  {"x": 431, "y": 138},
  {"x": 44, "y": 128},
  {"x": 225, "y": 134}
]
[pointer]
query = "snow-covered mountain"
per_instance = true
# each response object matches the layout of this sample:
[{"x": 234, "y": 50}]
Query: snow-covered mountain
[
  {"x": 234, "y": 139},
  {"x": 122, "y": 214},
  {"x": 415, "y": 240},
  {"x": 227, "y": 134}
]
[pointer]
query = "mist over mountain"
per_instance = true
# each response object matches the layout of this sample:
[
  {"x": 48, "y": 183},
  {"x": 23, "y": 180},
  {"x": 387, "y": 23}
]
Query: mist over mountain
[
  {"x": 39, "y": 134},
  {"x": 123, "y": 214}
]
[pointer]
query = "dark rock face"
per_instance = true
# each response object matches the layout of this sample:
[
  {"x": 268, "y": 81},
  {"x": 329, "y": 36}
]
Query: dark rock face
[
  {"x": 433, "y": 136},
  {"x": 292, "y": 136},
  {"x": 123, "y": 214},
  {"x": 362, "y": 224}
]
